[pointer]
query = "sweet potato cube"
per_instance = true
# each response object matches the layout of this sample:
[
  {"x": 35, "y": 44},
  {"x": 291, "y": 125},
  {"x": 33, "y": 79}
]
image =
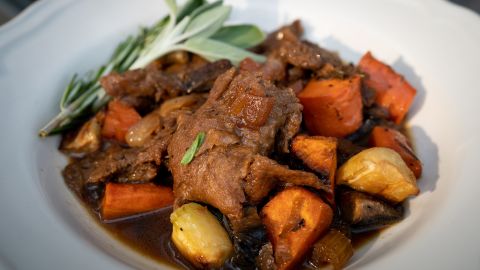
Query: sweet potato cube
[
  {"x": 332, "y": 107},
  {"x": 318, "y": 153},
  {"x": 122, "y": 200},
  {"x": 392, "y": 90},
  {"x": 393, "y": 139},
  {"x": 295, "y": 218}
]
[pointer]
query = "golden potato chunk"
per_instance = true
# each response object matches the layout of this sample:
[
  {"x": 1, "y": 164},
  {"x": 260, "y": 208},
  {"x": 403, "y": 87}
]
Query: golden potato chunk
[
  {"x": 379, "y": 171},
  {"x": 199, "y": 236}
]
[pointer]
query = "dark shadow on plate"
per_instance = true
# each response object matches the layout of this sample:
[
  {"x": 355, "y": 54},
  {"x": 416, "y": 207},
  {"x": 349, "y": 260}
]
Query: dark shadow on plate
[
  {"x": 6, "y": 263},
  {"x": 430, "y": 159},
  {"x": 409, "y": 73}
]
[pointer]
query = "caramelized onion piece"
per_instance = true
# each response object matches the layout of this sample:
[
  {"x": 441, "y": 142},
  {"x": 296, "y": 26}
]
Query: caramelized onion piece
[
  {"x": 178, "y": 103},
  {"x": 142, "y": 131},
  {"x": 334, "y": 248}
]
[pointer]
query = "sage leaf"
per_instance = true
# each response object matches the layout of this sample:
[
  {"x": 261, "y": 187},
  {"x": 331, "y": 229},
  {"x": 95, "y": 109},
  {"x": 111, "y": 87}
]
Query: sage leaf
[
  {"x": 205, "y": 7},
  {"x": 193, "y": 149},
  {"x": 214, "y": 50},
  {"x": 242, "y": 35},
  {"x": 189, "y": 8},
  {"x": 206, "y": 23}
]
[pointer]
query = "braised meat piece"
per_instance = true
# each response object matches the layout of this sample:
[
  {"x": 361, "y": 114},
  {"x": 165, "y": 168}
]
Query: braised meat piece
[
  {"x": 293, "y": 31},
  {"x": 160, "y": 85},
  {"x": 242, "y": 118},
  {"x": 130, "y": 164},
  {"x": 202, "y": 78},
  {"x": 142, "y": 83},
  {"x": 121, "y": 164},
  {"x": 286, "y": 44}
]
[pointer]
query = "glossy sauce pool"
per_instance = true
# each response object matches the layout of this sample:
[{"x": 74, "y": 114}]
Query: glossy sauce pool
[{"x": 149, "y": 234}]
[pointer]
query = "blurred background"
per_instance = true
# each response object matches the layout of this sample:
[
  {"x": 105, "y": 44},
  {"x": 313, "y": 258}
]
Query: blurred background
[{"x": 10, "y": 8}]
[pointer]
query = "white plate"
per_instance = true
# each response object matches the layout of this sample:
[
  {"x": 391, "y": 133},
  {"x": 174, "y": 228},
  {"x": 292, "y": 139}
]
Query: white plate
[{"x": 434, "y": 43}]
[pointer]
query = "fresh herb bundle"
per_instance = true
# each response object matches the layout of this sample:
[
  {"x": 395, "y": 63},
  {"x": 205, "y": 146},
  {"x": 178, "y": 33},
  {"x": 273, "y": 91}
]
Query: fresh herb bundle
[{"x": 198, "y": 27}]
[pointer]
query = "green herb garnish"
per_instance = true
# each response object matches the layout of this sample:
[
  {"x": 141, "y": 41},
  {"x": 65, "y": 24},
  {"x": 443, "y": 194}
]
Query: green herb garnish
[
  {"x": 197, "y": 27},
  {"x": 190, "y": 153}
]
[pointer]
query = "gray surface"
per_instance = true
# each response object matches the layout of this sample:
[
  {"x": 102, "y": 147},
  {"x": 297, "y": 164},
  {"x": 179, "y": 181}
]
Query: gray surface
[
  {"x": 472, "y": 4},
  {"x": 8, "y": 8},
  {"x": 3, "y": 17}
]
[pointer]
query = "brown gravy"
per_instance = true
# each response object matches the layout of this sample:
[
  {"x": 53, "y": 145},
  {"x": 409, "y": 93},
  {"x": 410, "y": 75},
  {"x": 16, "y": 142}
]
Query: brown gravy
[{"x": 149, "y": 234}]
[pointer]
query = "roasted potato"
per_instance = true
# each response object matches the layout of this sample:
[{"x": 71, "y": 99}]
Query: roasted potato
[
  {"x": 199, "y": 236},
  {"x": 379, "y": 171},
  {"x": 393, "y": 139}
]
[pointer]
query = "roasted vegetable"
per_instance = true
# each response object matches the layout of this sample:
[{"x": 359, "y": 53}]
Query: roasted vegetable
[
  {"x": 393, "y": 139},
  {"x": 366, "y": 213},
  {"x": 180, "y": 102},
  {"x": 392, "y": 90},
  {"x": 265, "y": 259},
  {"x": 379, "y": 171},
  {"x": 118, "y": 119},
  {"x": 294, "y": 220},
  {"x": 88, "y": 138},
  {"x": 332, "y": 107},
  {"x": 142, "y": 131},
  {"x": 199, "y": 237},
  {"x": 334, "y": 248},
  {"x": 318, "y": 153},
  {"x": 122, "y": 200}
]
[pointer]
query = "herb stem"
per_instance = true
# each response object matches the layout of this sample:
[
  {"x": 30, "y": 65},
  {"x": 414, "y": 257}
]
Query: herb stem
[{"x": 189, "y": 28}]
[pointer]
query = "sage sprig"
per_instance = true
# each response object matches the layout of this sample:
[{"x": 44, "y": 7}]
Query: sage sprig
[
  {"x": 197, "y": 27},
  {"x": 193, "y": 149}
]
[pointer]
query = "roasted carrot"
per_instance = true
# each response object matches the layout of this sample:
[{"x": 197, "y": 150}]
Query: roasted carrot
[
  {"x": 295, "y": 218},
  {"x": 118, "y": 119},
  {"x": 391, "y": 138},
  {"x": 318, "y": 153},
  {"x": 392, "y": 90},
  {"x": 121, "y": 200},
  {"x": 332, "y": 107}
]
